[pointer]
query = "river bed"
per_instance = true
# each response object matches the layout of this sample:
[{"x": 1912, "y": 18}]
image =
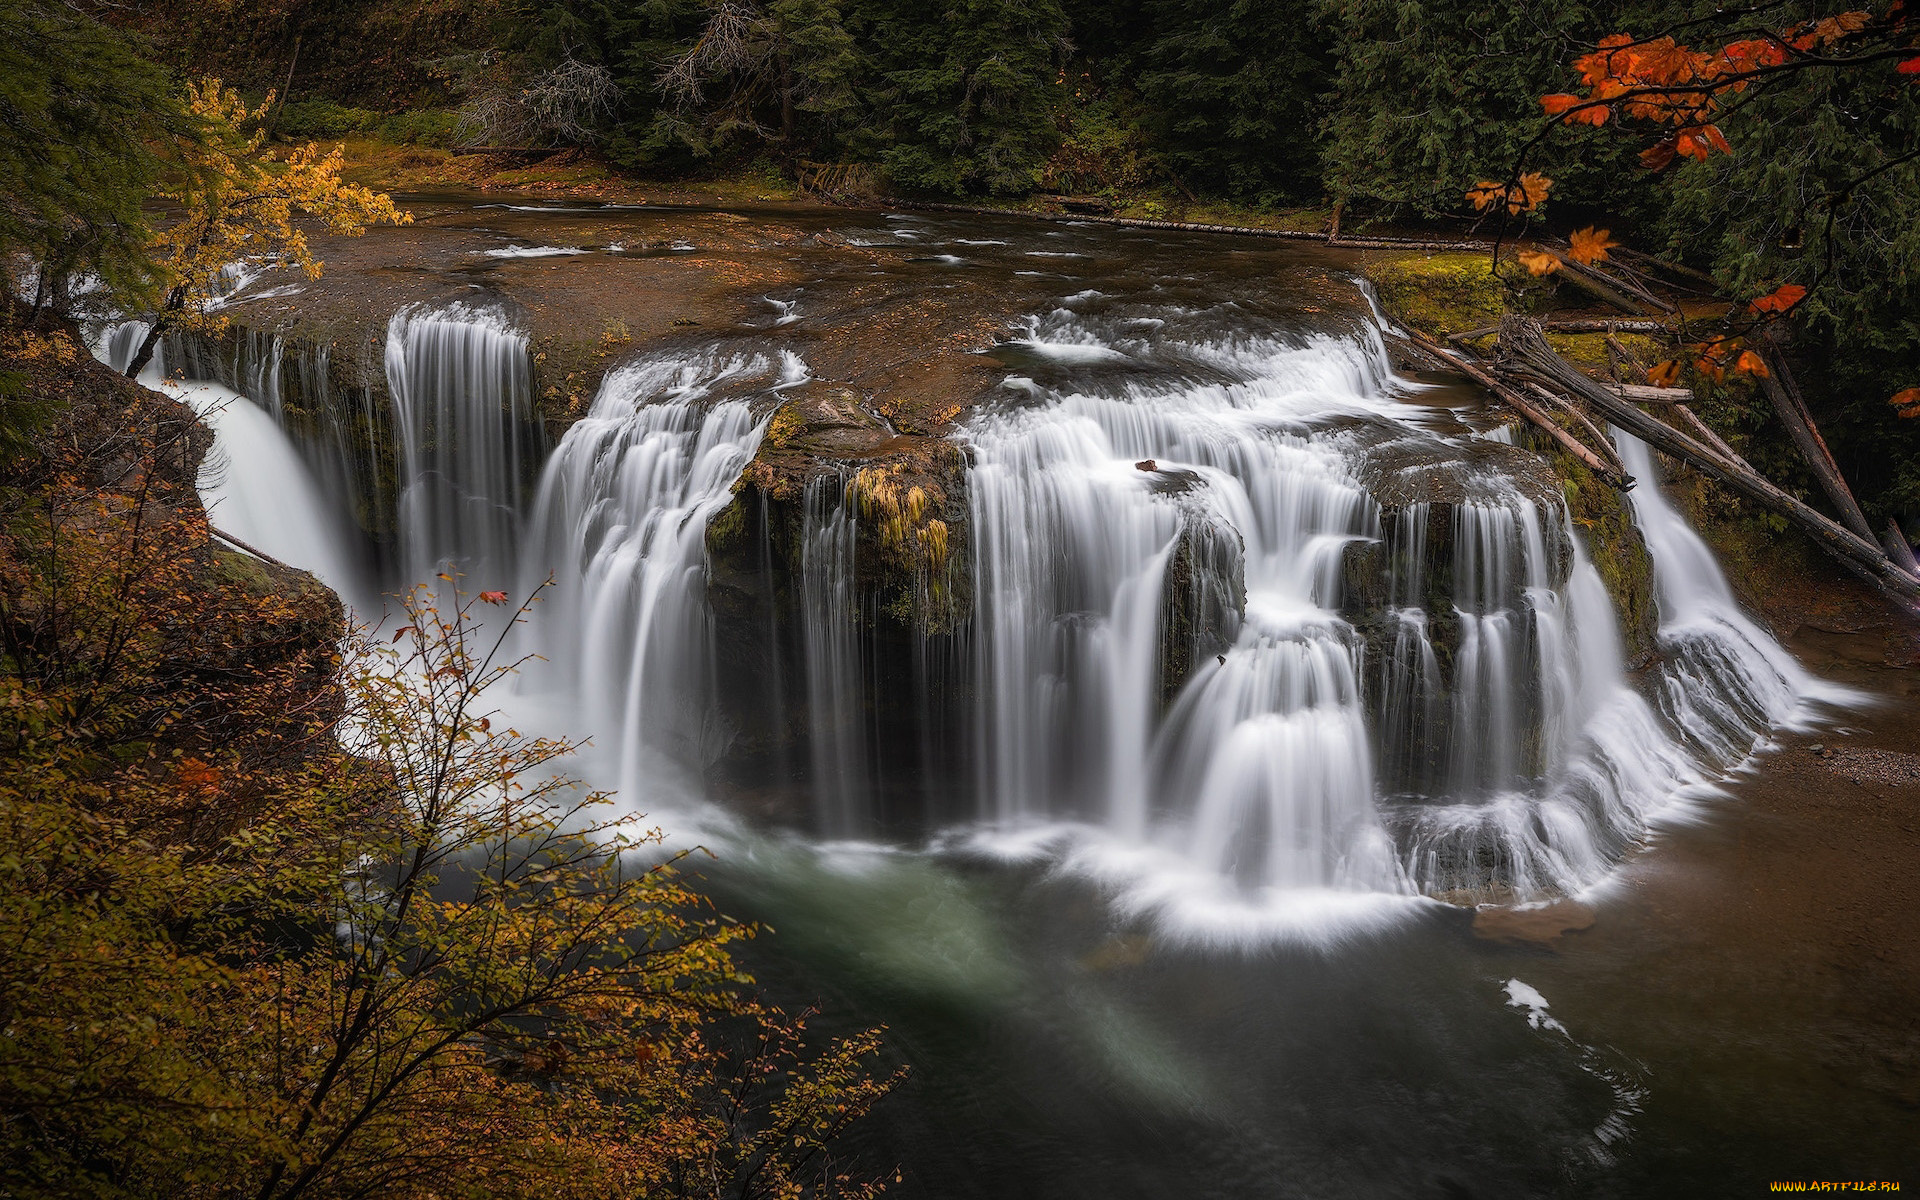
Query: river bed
[{"x": 1392, "y": 879}]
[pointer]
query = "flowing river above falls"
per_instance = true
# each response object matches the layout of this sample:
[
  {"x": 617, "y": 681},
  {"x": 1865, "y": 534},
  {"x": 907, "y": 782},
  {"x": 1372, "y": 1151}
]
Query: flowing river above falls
[{"x": 1081, "y": 646}]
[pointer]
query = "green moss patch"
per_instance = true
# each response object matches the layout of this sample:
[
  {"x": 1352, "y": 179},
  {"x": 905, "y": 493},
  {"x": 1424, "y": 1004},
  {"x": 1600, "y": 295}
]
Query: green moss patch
[{"x": 1446, "y": 292}]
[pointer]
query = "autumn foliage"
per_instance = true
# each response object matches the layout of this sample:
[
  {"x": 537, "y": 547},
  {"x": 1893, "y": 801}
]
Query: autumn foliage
[
  {"x": 286, "y": 916},
  {"x": 1679, "y": 93},
  {"x": 241, "y": 200}
]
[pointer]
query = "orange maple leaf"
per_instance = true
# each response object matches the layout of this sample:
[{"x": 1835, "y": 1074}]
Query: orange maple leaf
[
  {"x": 1539, "y": 262},
  {"x": 1590, "y": 245},
  {"x": 1906, "y": 403},
  {"x": 1558, "y": 103},
  {"x": 1664, "y": 374},
  {"x": 1780, "y": 299},
  {"x": 1533, "y": 192},
  {"x": 1485, "y": 194},
  {"x": 1526, "y": 195},
  {"x": 1832, "y": 29},
  {"x": 1750, "y": 363},
  {"x": 1754, "y": 52}
]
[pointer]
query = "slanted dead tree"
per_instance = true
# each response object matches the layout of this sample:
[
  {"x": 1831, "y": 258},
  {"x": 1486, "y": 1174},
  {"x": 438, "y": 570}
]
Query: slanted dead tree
[{"x": 1525, "y": 357}]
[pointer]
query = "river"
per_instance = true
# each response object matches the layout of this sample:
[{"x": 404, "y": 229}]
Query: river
[{"x": 1211, "y": 751}]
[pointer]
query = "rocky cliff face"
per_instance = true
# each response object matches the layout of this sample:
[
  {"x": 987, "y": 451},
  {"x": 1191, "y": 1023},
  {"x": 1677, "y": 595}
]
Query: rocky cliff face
[{"x": 128, "y": 625}]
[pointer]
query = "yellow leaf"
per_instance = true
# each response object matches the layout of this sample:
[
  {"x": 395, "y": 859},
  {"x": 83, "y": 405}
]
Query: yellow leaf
[{"x": 1539, "y": 262}]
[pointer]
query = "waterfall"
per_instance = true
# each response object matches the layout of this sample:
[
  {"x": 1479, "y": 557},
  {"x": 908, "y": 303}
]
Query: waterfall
[
  {"x": 459, "y": 378},
  {"x": 254, "y": 483},
  {"x": 343, "y": 431},
  {"x": 619, "y": 522},
  {"x": 258, "y": 488},
  {"x": 1725, "y": 681},
  {"x": 1466, "y": 730},
  {"x": 1261, "y": 769},
  {"x": 1255, "y": 637},
  {"x": 836, "y": 708}
]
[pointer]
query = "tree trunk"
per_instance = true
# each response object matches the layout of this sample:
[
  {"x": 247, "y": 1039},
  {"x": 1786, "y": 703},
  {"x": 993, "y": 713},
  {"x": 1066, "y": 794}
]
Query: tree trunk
[
  {"x": 1522, "y": 343},
  {"x": 1899, "y": 548},
  {"x": 280, "y": 102},
  {"x": 1613, "y": 476},
  {"x": 786, "y": 100},
  {"x": 144, "y": 354},
  {"x": 1577, "y": 274},
  {"x": 1785, "y": 394}
]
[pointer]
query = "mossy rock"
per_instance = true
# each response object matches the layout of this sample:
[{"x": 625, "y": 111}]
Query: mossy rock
[
  {"x": 1604, "y": 517},
  {"x": 1445, "y": 292}
]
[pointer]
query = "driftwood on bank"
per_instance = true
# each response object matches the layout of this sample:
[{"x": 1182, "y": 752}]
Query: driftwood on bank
[
  {"x": 1648, "y": 394},
  {"x": 1524, "y": 350},
  {"x": 1577, "y": 325},
  {"x": 1296, "y": 235},
  {"x": 1705, "y": 433},
  {"x": 1580, "y": 418},
  {"x": 1613, "y": 291},
  {"x": 237, "y": 544},
  {"x": 1607, "y": 467},
  {"x": 1785, "y": 396}
]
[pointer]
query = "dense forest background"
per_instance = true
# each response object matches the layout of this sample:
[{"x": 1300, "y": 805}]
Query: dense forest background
[{"x": 1381, "y": 109}]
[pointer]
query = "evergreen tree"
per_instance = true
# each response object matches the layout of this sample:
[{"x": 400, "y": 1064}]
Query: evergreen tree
[
  {"x": 1428, "y": 98},
  {"x": 962, "y": 95},
  {"x": 1234, "y": 89},
  {"x": 86, "y": 121}
]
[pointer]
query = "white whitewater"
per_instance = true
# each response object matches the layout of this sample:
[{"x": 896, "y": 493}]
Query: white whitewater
[
  {"x": 1726, "y": 680},
  {"x": 830, "y": 634},
  {"x": 1181, "y": 684},
  {"x": 1260, "y": 776},
  {"x": 254, "y": 483},
  {"x": 462, "y": 407},
  {"x": 620, "y": 525},
  {"x": 1292, "y": 776}
]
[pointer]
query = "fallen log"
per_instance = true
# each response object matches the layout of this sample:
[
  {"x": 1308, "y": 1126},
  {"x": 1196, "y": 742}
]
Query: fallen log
[
  {"x": 1629, "y": 254},
  {"x": 1611, "y": 474},
  {"x": 1297, "y": 235},
  {"x": 1523, "y": 345},
  {"x": 1577, "y": 325},
  {"x": 1650, "y": 395},
  {"x": 1792, "y": 410},
  {"x": 1898, "y": 547},
  {"x": 1705, "y": 433},
  {"x": 1589, "y": 280},
  {"x": 1580, "y": 418},
  {"x": 237, "y": 544}
]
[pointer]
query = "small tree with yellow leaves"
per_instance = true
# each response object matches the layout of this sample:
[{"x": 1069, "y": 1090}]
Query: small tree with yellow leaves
[{"x": 240, "y": 199}]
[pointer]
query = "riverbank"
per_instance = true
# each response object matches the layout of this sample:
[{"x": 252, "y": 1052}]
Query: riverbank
[{"x": 1785, "y": 914}]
